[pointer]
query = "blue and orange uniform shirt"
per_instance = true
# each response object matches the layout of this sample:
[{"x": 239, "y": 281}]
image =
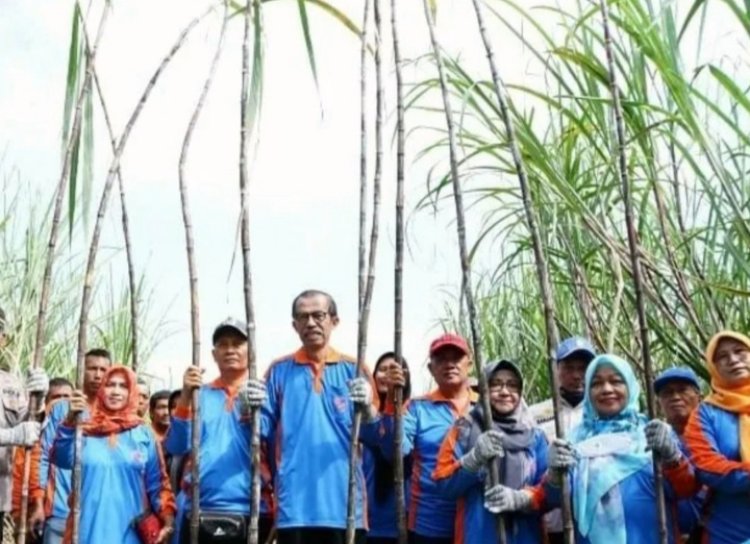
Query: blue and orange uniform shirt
[
  {"x": 225, "y": 469},
  {"x": 426, "y": 422},
  {"x": 381, "y": 506},
  {"x": 308, "y": 418},
  {"x": 123, "y": 476},
  {"x": 718, "y": 439},
  {"x": 55, "y": 481},
  {"x": 474, "y": 523}
]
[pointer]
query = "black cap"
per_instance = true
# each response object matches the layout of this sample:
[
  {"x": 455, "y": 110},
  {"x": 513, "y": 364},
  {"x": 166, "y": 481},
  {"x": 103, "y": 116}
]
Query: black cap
[{"x": 229, "y": 324}]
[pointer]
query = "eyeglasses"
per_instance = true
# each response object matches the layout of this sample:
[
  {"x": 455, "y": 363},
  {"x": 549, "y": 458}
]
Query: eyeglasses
[
  {"x": 511, "y": 387},
  {"x": 318, "y": 317}
]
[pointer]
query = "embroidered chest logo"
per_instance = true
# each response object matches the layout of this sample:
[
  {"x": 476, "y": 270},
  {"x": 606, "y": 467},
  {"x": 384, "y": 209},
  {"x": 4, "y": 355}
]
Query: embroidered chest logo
[
  {"x": 340, "y": 403},
  {"x": 138, "y": 457}
]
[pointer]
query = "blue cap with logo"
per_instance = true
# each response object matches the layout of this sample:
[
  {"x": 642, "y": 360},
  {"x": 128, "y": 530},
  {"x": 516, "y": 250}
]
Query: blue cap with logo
[
  {"x": 575, "y": 345},
  {"x": 676, "y": 374}
]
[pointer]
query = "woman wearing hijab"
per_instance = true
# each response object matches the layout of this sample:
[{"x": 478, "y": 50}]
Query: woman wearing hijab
[
  {"x": 462, "y": 472},
  {"x": 381, "y": 499},
  {"x": 718, "y": 439},
  {"x": 612, "y": 480},
  {"x": 123, "y": 472}
]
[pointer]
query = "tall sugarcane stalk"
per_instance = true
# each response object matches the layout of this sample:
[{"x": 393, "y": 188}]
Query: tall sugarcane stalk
[
  {"x": 365, "y": 300},
  {"x": 38, "y": 354},
  {"x": 91, "y": 263},
  {"x": 540, "y": 259},
  {"x": 245, "y": 134},
  {"x": 398, "y": 284},
  {"x": 635, "y": 259},
  {"x": 193, "y": 278},
  {"x": 466, "y": 283},
  {"x": 362, "y": 251}
]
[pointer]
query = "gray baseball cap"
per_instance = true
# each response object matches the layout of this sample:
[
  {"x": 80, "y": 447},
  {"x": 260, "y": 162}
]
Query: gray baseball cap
[{"x": 229, "y": 324}]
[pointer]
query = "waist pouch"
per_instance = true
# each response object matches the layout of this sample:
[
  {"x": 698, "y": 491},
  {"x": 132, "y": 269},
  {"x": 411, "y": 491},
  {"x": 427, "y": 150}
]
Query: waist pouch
[{"x": 219, "y": 527}]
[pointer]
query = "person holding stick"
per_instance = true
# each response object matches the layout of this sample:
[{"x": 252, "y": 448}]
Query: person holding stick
[
  {"x": 678, "y": 393},
  {"x": 426, "y": 421},
  {"x": 51, "y": 507},
  {"x": 225, "y": 469},
  {"x": 718, "y": 439},
  {"x": 124, "y": 478},
  {"x": 381, "y": 499},
  {"x": 612, "y": 482},
  {"x": 573, "y": 356},
  {"x": 461, "y": 471},
  {"x": 311, "y": 395},
  {"x": 13, "y": 412}
]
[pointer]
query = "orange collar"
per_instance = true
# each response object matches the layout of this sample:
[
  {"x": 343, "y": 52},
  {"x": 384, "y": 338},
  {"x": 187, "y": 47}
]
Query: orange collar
[
  {"x": 302, "y": 358},
  {"x": 231, "y": 390},
  {"x": 458, "y": 405}
]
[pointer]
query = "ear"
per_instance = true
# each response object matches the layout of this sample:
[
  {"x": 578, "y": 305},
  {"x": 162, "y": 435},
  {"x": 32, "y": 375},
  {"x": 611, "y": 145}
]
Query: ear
[
  {"x": 432, "y": 371},
  {"x": 294, "y": 326},
  {"x": 213, "y": 354},
  {"x": 335, "y": 320}
]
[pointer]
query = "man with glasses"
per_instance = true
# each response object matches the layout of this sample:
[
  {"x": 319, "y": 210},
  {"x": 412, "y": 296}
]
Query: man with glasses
[{"x": 309, "y": 412}]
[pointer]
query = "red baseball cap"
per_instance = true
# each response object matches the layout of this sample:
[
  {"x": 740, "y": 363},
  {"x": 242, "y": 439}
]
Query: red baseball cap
[{"x": 449, "y": 339}]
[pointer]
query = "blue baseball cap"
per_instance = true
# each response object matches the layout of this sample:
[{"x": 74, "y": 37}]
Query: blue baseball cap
[
  {"x": 575, "y": 344},
  {"x": 676, "y": 374}
]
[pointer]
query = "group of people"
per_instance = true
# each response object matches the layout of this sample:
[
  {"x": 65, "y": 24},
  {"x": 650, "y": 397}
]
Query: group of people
[{"x": 137, "y": 477}]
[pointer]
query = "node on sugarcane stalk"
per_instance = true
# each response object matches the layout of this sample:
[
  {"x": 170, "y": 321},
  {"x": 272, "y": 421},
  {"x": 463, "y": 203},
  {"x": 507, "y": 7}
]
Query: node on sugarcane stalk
[
  {"x": 466, "y": 281},
  {"x": 635, "y": 259},
  {"x": 542, "y": 270}
]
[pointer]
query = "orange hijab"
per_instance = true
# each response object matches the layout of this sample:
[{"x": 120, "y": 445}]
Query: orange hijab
[
  {"x": 106, "y": 422},
  {"x": 733, "y": 397}
]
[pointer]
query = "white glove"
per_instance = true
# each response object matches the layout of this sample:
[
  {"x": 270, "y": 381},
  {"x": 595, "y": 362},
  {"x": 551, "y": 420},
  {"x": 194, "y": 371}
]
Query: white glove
[
  {"x": 254, "y": 394},
  {"x": 24, "y": 434},
  {"x": 561, "y": 455},
  {"x": 500, "y": 499},
  {"x": 37, "y": 382},
  {"x": 360, "y": 393},
  {"x": 660, "y": 439},
  {"x": 489, "y": 445}
]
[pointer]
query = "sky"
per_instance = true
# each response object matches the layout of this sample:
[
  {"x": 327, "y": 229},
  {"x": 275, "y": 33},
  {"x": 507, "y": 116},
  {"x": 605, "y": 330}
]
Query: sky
[{"x": 304, "y": 179}]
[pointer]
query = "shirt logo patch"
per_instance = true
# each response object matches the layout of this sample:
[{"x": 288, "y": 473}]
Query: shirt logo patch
[{"x": 340, "y": 403}]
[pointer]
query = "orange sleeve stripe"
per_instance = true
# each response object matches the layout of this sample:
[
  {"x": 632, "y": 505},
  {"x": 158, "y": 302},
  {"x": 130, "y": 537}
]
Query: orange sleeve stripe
[
  {"x": 682, "y": 479},
  {"x": 447, "y": 464},
  {"x": 538, "y": 496},
  {"x": 167, "y": 507},
  {"x": 703, "y": 454}
]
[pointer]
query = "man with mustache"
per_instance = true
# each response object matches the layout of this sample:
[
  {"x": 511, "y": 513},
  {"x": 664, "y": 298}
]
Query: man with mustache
[{"x": 307, "y": 415}]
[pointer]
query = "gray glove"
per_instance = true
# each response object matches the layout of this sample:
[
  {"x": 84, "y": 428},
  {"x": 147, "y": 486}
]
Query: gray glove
[
  {"x": 660, "y": 439},
  {"x": 24, "y": 434},
  {"x": 38, "y": 382},
  {"x": 254, "y": 394},
  {"x": 489, "y": 445},
  {"x": 360, "y": 393},
  {"x": 500, "y": 499},
  {"x": 561, "y": 455}
]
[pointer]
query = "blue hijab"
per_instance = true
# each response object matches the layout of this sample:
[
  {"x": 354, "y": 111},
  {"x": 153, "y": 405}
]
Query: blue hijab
[{"x": 610, "y": 450}]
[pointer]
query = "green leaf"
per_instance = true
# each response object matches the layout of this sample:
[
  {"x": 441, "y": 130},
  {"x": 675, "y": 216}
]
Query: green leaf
[
  {"x": 73, "y": 75},
  {"x": 302, "y": 5}
]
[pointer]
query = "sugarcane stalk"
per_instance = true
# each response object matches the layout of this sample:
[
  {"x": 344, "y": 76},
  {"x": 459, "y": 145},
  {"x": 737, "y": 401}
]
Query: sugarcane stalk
[
  {"x": 362, "y": 250},
  {"x": 540, "y": 259},
  {"x": 38, "y": 354},
  {"x": 245, "y": 134},
  {"x": 466, "y": 283},
  {"x": 193, "y": 279},
  {"x": 91, "y": 263},
  {"x": 398, "y": 281},
  {"x": 364, "y": 311},
  {"x": 635, "y": 259}
]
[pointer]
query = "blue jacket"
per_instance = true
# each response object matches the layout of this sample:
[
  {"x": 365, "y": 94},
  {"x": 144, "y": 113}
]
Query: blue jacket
[
  {"x": 474, "y": 523},
  {"x": 712, "y": 437}
]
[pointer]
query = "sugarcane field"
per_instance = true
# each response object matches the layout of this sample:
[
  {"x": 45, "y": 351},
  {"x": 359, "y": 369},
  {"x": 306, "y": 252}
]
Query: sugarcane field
[{"x": 375, "y": 272}]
